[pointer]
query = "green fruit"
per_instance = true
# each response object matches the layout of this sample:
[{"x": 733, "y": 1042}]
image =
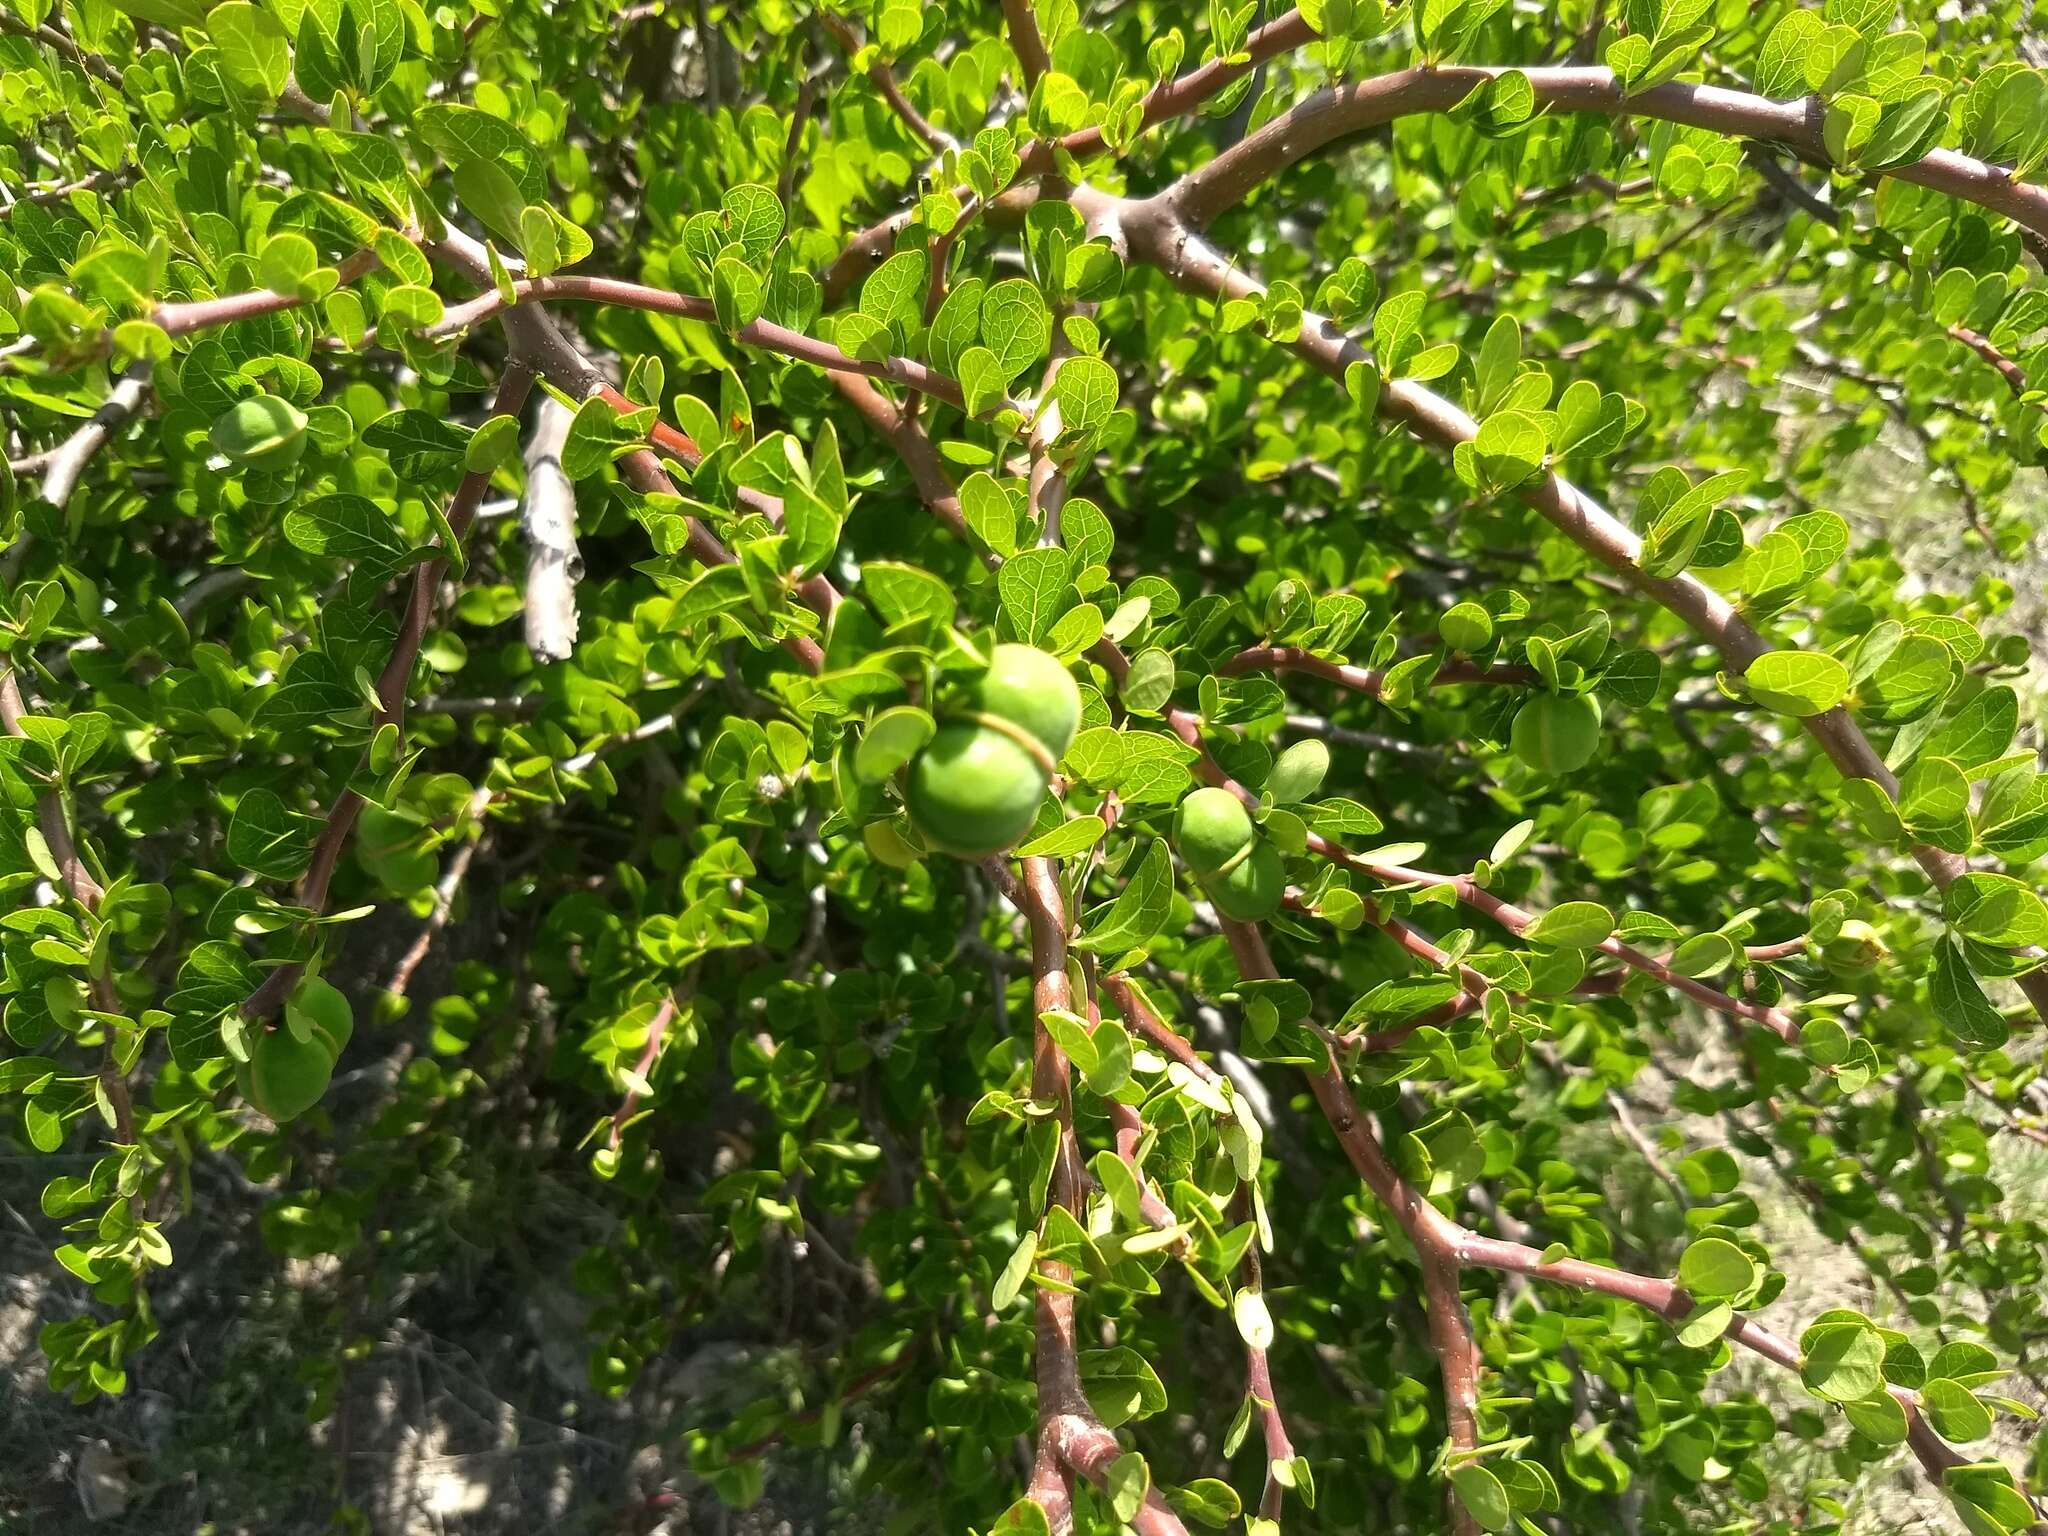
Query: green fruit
[
  {"x": 886, "y": 845},
  {"x": 1239, "y": 869},
  {"x": 1557, "y": 733},
  {"x": 975, "y": 787},
  {"x": 318, "y": 1010},
  {"x": 1030, "y": 689},
  {"x": 973, "y": 791},
  {"x": 263, "y": 432},
  {"x": 1854, "y": 951},
  {"x": 1251, "y": 890},
  {"x": 284, "y": 1077},
  {"x": 1210, "y": 829}
]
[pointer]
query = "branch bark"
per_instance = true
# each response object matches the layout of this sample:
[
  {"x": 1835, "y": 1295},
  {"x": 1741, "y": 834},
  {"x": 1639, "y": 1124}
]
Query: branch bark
[
  {"x": 1341, "y": 111},
  {"x": 1067, "y": 1423},
  {"x": 1433, "y": 1234},
  {"x": 547, "y": 516}
]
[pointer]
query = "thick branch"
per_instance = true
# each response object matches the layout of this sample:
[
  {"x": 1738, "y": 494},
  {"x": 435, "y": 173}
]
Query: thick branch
[
  {"x": 65, "y": 464},
  {"x": 1344, "y": 110},
  {"x": 1183, "y": 96},
  {"x": 1066, "y": 1421},
  {"x": 1026, "y": 41}
]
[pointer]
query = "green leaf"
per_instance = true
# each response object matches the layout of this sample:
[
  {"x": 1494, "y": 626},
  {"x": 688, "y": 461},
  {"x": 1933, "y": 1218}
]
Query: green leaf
[
  {"x": 1086, "y": 391},
  {"x": 1878, "y": 1417},
  {"x": 1954, "y": 1411},
  {"x": 1138, "y": 910},
  {"x": 351, "y": 527},
  {"x": 599, "y": 434},
  {"x": 1254, "y": 1321},
  {"x": 1996, "y": 909},
  {"x": 267, "y": 838},
  {"x": 1482, "y": 1495},
  {"x": 1016, "y": 1270},
  {"x": 1066, "y": 840},
  {"x": 1016, "y": 327},
  {"x": 1127, "y": 1483},
  {"x": 1712, "y": 1269},
  {"x": 1797, "y": 682},
  {"x": 1572, "y": 925},
  {"x": 1844, "y": 1361},
  {"x": 1298, "y": 773},
  {"x": 892, "y": 739},
  {"x": 1036, "y": 588},
  {"x": 1121, "y": 1385},
  {"x": 255, "y": 52},
  {"x": 1960, "y": 1003}
]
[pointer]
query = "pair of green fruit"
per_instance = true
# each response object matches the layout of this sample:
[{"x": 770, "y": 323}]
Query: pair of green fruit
[
  {"x": 285, "y": 1076},
  {"x": 976, "y": 786}
]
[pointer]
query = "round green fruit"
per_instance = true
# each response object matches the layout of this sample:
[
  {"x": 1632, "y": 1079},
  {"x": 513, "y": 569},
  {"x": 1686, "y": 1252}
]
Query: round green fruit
[
  {"x": 1210, "y": 829},
  {"x": 973, "y": 790},
  {"x": 264, "y": 432},
  {"x": 284, "y": 1077},
  {"x": 1557, "y": 733},
  {"x": 887, "y": 846},
  {"x": 1033, "y": 691},
  {"x": 1854, "y": 951},
  {"x": 1251, "y": 889}
]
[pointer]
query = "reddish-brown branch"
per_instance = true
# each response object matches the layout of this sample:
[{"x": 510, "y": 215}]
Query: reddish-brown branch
[
  {"x": 764, "y": 334},
  {"x": 1433, "y": 1234},
  {"x": 84, "y": 888},
  {"x": 183, "y": 318},
  {"x": 1370, "y": 680},
  {"x": 1344, "y": 110},
  {"x": 1066, "y": 1421},
  {"x": 936, "y": 140},
  {"x": 1456, "y": 1247},
  {"x": 1026, "y": 41},
  {"x": 1258, "y": 1384},
  {"x": 1128, "y": 1126},
  {"x": 657, "y": 1032},
  {"x": 865, "y": 250},
  {"x": 2014, "y": 375},
  {"x": 444, "y": 901},
  {"x": 391, "y": 685}
]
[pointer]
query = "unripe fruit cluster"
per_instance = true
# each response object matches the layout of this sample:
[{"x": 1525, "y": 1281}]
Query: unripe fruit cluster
[
  {"x": 263, "y": 432},
  {"x": 1238, "y": 868},
  {"x": 286, "y": 1076},
  {"x": 976, "y": 786}
]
